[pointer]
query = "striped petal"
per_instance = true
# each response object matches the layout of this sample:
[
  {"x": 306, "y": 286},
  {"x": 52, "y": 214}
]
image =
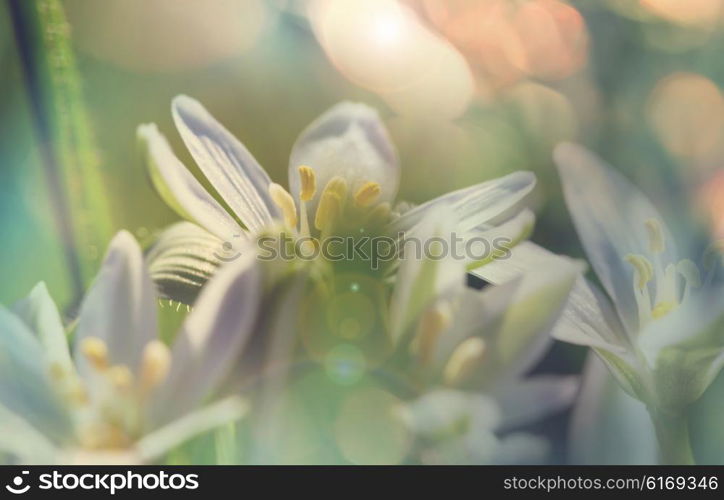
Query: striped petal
[
  {"x": 179, "y": 188},
  {"x": 120, "y": 307},
  {"x": 229, "y": 166}
]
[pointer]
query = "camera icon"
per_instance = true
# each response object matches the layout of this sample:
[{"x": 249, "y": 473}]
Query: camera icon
[{"x": 17, "y": 487}]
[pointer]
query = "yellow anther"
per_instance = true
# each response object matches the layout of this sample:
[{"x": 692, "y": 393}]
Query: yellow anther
[
  {"x": 307, "y": 182},
  {"x": 433, "y": 322},
  {"x": 662, "y": 309},
  {"x": 643, "y": 269},
  {"x": 656, "y": 236},
  {"x": 690, "y": 272},
  {"x": 367, "y": 194},
  {"x": 155, "y": 364},
  {"x": 464, "y": 360},
  {"x": 330, "y": 204},
  {"x": 120, "y": 377},
  {"x": 285, "y": 202},
  {"x": 95, "y": 351}
]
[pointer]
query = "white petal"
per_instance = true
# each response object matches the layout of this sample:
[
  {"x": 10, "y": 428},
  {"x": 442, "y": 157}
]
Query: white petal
[
  {"x": 506, "y": 235},
  {"x": 350, "y": 141},
  {"x": 697, "y": 323},
  {"x": 25, "y": 385},
  {"x": 154, "y": 445},
  {"x": 212, "y": 337},
  {"x": 120, "y": 307},
  {"x": 180, "y": 189},
  {"x": 523, "y": 334},
  {"x": 587, "y": 318},
  {"x": 609, "y": 426},
  {"x": 609, "y": 214},
  {"x": 40, "y": 314},
  {"x": 421, "y": 279},
  {"x": 476, "y": 205},
  {"x": 23, "y": 442},
  {"x": 231, "y": 169},
  {"x": 524, "y": 402}
]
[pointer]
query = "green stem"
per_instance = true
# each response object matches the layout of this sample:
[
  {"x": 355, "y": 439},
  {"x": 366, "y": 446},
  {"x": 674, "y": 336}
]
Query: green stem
[
  {"x": 66, "y": 143},
  {"x": 672, "y": 433}
]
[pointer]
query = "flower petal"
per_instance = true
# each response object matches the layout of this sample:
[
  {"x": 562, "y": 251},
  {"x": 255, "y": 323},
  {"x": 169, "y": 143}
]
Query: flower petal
[
  {"x": 23, "y": 442},
  {"x": 587, "y": 319},
  {"x": 349, "y": 141},
  {"x": 154, "y": 445},
  {"x": 120, "y": 307},
  {"x": 40, "y": 314},
  {"x": 229, "y": 166},
  {"x": 25, "y": 385},
  {"x": 524, "y": 402},
  {"x": 610, "y": 215},
  {"x": 212, "y": 338},
  {"x": 609, "y": 426},
  {"x": 421, "y": 279},
  {"x": 180, "y": 189},
  {"x": 476, "y": 205},
  {"x": 184, "y": 258}
]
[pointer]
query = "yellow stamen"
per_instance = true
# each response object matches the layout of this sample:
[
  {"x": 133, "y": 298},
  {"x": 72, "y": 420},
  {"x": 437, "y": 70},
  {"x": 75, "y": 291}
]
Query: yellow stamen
[
  {"x": 433, "y": 322},
  {"x": 656, "y": 236},
  {"x": 330, "y": 204},
  {"x": 464, "y": 360},
  {"x": 643, "y": 269},
  {"x": 285, "y": 202},
  {"x": 121, "y": 377},
  {"x": 308, "y": 183},
  {"x": 155, "y": 364},
  {"x": 367, "y": 194},
  {"x": 662, "y": 309},
  {"x": 95, "y": 351}
]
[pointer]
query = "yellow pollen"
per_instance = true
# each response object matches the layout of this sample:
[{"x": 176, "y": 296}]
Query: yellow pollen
[
  {"x": 155, "y": 364},
  {"x": 308, "y": 183},
  {"x": 330, "y": 204},
  {"x": 643, "y": 269},
  {"x": 285, "y": 202},
  {"x": 656, "y": 236},
  {"x": 95, "y": 351},
  {"x": 662, "y": 309},
  {"x": 433, "y": 322},
  {"x": 367, "y": 194},
  {"x": 464, "y": 360},
  {"x": 121, "y": 377}
]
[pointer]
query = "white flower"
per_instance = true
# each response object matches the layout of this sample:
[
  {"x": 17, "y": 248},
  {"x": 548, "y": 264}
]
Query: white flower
[
  {"x": 343, "y": 173},
  {"x": 121, "y": 395},
  {"x": 471, "y": 349},
  {"x": 659, "y": 326}
]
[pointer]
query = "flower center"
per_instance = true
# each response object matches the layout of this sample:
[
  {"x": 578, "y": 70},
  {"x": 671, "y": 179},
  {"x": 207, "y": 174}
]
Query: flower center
[
  {"x": 336, "y": 206},
  {"x": 657, "y": 286},
  {"x": 107, "y": 403}
]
